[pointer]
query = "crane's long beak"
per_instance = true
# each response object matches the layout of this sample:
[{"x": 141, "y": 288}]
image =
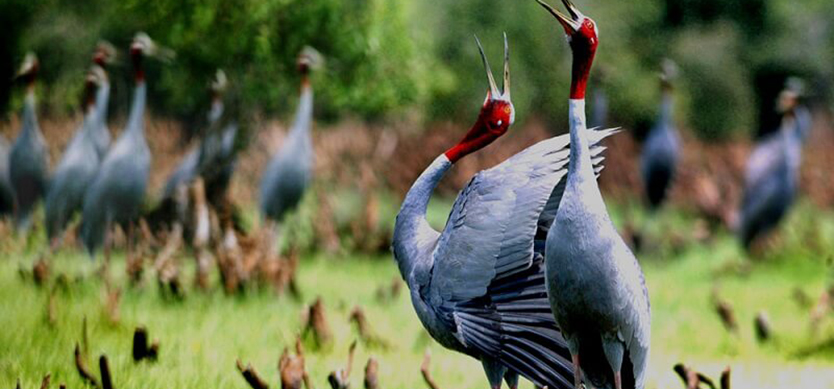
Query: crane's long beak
[
  {"x": 493, "y": 88},
  {"x": 506, "y": 68},
  {"x": 570, "y": 23},
  {"x": 494, "y": 93},
  {"x": 30, "y": 64},
  {"x": 162, "y": 53}
]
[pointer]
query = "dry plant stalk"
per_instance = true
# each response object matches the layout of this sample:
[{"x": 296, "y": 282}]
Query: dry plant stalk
[
  {"x": 371, "y": 374},
  {"x": 340, "y": 379},
  {"x": 230, "y": 259},
  {"x": 82, "y": 368},
  {"x": 325, "y": 229},
  {"x": 106, "y": 378},
  {"x": 724, "y": 311},
  {"x": 112, "y": 305},
  {"x": 292, "y": 370},
  {"x": 251, "y": 376},
  {"x": 45, "y": 381},
  {"x": 762, "y": 325},
  {"x": 40, "y": 271},
  {"x": 202, "y": 233},
  {"x": 366, "y": 334},
  {"x": 165, "y": 264},
  {"x": 141, "y": 348},
  {"x": 317, "y": 324},
  {"x": 424, "y": 369},
  {"x": 390, "y": 293}
]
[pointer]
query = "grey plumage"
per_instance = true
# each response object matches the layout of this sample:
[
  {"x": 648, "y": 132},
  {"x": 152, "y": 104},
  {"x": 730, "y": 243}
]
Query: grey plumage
[
  {"x": 595, "y": 285},
  {"x": 772, "y": 177},
  {"x": 290, "y": 170},
  {"x": 28, "y": 165},
  {"x": 660, "y": 154},
  {"x": 213, "y": 159},
  {"x": 478, "y": 286},
  {"x": 118, "y": 190},
  {"x": 79, "y": 163},
  {"x": 6, "y": 191}
]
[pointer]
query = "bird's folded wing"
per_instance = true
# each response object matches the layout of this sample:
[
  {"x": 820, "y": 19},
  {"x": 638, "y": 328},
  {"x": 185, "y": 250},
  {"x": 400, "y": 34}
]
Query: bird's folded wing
[{"x": 492, "y": 225}]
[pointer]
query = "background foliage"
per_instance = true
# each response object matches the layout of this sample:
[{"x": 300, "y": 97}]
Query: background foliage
[{"x": 388, "y": 59}]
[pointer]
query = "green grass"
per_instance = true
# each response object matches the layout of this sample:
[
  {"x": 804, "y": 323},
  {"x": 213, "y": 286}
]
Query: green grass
[{"x": 204, "y": 334}]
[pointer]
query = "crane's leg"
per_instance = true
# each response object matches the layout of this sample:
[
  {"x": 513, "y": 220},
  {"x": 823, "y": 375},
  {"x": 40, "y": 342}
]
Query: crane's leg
[
  {"x": 614, "y": 350},
  {"x": 494, "y": 370},
  {"x": 511, "y": 378},
  {"x": 577, "y": 372}
]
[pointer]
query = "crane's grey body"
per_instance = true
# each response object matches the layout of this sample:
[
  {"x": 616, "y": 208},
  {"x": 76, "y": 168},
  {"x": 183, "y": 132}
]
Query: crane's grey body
[
  {"x": 660, "y": 155},
  {"x": 72, "y": 177},
  {"x": 28, "y": 165},
  {"x": 595, "y": 285},
  {"x": 478, "y": 286},
  {"x": 213, "y": 159},
  {"x": 290, "y": 170},
  {"x": 118, "y": 190},
  {"x": 6, "y": 191},
  {"x": 772, "y": 179}
]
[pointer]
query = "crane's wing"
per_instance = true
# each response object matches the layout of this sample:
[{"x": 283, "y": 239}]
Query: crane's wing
[
  {"x": 488, "y": 280},
  {"x": 491, "y": 228},
  {"x": 764, "y": 159}
]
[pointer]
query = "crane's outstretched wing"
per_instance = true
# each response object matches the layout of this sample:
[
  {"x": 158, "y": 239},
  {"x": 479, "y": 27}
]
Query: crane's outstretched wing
[{"x": 487, "y": 279}]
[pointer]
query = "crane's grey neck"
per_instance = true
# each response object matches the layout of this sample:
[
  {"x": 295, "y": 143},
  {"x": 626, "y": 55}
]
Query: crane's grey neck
[
  {"x": 304, "y": 113},
  {"x": 666, "y": 107},
  {"x": 30, "y": 119},
  {"x": 102, "y": 100},
  {"x": 135, "y": 121},
  {"x": 216, "y": 110},
  {"x": 417, "y": 199},
  {"x": 580, "y": 168},
  {"x": 412, "y": 230}
]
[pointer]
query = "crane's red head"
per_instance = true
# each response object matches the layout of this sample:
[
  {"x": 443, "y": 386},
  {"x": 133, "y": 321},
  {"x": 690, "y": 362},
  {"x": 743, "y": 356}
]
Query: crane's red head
[
  {"x": 582, "y": 37},
  {"x": 143, "y": 46},
  {"x": 29, "y": 69},
  {"x": 497, "y": 113},
  {"x": 105, "y": 54}
]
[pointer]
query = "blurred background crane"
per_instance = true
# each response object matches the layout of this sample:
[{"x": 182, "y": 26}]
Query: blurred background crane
[
  {"x": 78, "y": 165},
  {"x": 118, "y": 191},
  {"x": 290, "y": 169},
  {"x": 772, "y": 176},
  {"x": 28, "y": 165},
  {"x": 661, "y": 151}
]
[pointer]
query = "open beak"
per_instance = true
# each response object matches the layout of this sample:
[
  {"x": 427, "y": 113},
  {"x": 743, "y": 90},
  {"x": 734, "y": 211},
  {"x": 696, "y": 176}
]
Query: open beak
[
  {"x": 570, "y": 23},
  {"x": 494, "y": 93}
]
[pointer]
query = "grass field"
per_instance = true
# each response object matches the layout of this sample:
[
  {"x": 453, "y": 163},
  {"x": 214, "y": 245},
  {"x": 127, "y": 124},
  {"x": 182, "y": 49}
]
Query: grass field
[{"x": 203, "y": 335}]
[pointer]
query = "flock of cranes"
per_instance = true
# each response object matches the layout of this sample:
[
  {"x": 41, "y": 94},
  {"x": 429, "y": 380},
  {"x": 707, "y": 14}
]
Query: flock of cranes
[
  {"x": 106, "y": 183},
  {"x": 529, "y": 275}
]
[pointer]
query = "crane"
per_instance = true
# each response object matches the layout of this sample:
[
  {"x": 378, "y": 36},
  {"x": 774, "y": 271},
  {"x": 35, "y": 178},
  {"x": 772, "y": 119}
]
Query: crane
[
  {"x": 28, "y": 159},
  {"x": 478, "y": 286},
  {"x": 291, "y": 168},
  {"x": 6, "y": 191},
  {"x": 78, "y": 165},
  {"x": 662, "y": 147},
  {"x": 596, "y": 288},
  {"x": 213, "y": 159},
  {"x": 117, "y": 192},
  {"x": 772, "y": 175}
]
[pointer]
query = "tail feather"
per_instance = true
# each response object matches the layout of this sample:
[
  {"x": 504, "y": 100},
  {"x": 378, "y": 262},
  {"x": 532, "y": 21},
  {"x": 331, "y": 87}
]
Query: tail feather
[{"x": 513, "y": 323}]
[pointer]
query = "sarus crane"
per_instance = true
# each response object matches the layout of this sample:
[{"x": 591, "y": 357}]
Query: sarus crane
[
  {"x": 478, "y": 286},
  {"x": 290, "y": 170},
  {"x": 772, "y": 176},
  {"x": 28, "y": 163},
  {"x": 596, "y": 287},
  {"x": 79, "y": 163},
  {"x": 213, "y": 159},
  {"x": 6, "y": 191},
  {"x": 118, "y": 190},
  {"x": 662, "y": 147}
]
